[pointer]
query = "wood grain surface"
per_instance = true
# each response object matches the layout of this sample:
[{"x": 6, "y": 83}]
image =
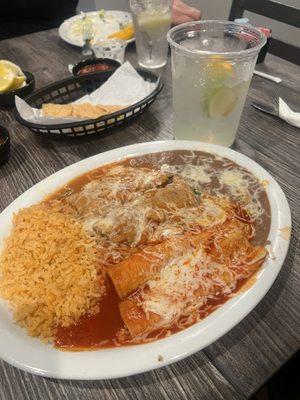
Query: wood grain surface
[{"x": 236, "y": 365}]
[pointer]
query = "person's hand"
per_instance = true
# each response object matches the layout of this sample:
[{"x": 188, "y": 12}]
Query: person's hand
[{"x": 183, "y": 13}]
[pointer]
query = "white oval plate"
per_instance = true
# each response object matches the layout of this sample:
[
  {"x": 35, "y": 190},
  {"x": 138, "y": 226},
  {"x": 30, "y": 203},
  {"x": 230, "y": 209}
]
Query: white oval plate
[
  {"x": 64, "y": 29},
  {"x": 29, "y": 354}
]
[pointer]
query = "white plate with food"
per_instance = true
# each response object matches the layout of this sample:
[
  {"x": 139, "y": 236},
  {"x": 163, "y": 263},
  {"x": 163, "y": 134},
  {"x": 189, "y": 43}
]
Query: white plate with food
[
  {"x": 136, "y": 258},
  {"x": 105, "y": 24}
]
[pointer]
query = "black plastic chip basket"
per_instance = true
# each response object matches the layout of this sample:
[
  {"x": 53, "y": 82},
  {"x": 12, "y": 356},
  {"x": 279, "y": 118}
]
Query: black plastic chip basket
[{"x": 71, "y": 89}]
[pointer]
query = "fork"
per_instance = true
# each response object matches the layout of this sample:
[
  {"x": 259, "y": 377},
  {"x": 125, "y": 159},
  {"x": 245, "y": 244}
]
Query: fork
[
  {"x": 87, "y": 36},
  {"x": 272, "y": 107}
]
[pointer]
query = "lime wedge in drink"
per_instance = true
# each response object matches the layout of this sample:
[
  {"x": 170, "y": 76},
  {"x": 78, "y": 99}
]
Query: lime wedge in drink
[
  {"x": 218, "y": 99},
  {"x": 223, "y": 101}
]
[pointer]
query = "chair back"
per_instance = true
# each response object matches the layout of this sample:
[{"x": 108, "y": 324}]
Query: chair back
[{"x": 277, "y": 11}]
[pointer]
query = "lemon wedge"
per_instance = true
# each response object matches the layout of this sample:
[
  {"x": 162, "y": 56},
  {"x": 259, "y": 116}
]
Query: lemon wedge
[
  {"x": 18, "y": 82},
  {"x": 13, "y": 67},
  {"x": 11, "y": 76},
  {"x": 126, "y": 33},
  {"x": 223, "y": 102},
  {"x": 218, "y": 68},
  {"x": 6, "y": 78}
]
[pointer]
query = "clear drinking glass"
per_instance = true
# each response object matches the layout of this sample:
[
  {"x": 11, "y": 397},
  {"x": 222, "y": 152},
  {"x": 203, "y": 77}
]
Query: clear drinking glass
[
  {"x": 152, "y": 20},
  {"x": 212, "y": 66},
  {"x": 110, "y": 48}
]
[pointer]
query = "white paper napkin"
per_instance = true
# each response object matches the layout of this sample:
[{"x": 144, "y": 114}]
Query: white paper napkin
[
  {"x": 124, "y": 87},
  {"x": 290, "y": 116}
]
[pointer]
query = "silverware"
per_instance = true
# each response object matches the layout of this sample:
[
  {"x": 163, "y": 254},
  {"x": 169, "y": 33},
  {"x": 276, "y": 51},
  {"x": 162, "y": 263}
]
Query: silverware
[
  {"x": 268, "y": 76},
  {"x": 265, "y": 108},
  {"x": 87, "y": 36}
]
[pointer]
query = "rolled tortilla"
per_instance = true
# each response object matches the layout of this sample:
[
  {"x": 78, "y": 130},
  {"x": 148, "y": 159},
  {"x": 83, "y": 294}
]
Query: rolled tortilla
[
  {"x": 140, "y": 323},
  {"x": 136, "y": 270},
  {"x": 136, "y": 319}
]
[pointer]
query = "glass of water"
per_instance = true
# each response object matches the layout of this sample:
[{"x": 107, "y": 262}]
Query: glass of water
[
  {"x": 152, "y": 20},
  {"x": 212, "y": 67}
]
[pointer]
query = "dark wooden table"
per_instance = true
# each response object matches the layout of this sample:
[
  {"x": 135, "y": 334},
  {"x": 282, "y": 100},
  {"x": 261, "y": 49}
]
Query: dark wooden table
[{"x": 236, "y": 365}]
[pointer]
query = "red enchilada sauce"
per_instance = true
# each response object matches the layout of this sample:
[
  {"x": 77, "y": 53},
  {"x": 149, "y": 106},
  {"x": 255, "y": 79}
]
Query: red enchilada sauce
[
  {"x": 102, "y": 329},
  {"x": 94, "y": 331}
]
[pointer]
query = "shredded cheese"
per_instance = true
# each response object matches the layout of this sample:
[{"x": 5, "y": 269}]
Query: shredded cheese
[
  {"x": 174, "y": 287},
  {"x": 192, "y": 172},
  {"x": 240, "y": 185}
]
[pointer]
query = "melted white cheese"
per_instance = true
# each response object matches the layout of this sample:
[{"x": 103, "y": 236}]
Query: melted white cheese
[
  {"x": 241, "y": 185},
  {"x": 174, "y": 286},
  {"x": 192, "y": 172}
]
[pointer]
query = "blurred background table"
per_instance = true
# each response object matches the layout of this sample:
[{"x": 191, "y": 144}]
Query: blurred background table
[{"x": 235, "y": 366}]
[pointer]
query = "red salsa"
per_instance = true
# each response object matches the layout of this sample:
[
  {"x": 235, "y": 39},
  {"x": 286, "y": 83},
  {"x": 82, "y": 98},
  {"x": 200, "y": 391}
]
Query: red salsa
[{"x": 94, "y": 68}]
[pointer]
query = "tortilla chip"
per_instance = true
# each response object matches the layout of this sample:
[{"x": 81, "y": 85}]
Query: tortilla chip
[
  {"x": 57, "y": 110},
  {"x": 113, "y": 109},
  {"x": 88, "y": 110},
  {"x": 84, "y": 110}
]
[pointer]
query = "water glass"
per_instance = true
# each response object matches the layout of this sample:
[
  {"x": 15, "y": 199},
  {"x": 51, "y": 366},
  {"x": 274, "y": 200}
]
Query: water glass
[
  {"x": 152, "y": 20},
  {"x": 212, "y": 67}
]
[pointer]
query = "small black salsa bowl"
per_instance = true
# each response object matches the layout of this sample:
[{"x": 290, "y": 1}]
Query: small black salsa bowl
[
  {"x": 8, "y": 98},
  {"x": 4, "y": 145},
  {"x": 107, "y": 63}
]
